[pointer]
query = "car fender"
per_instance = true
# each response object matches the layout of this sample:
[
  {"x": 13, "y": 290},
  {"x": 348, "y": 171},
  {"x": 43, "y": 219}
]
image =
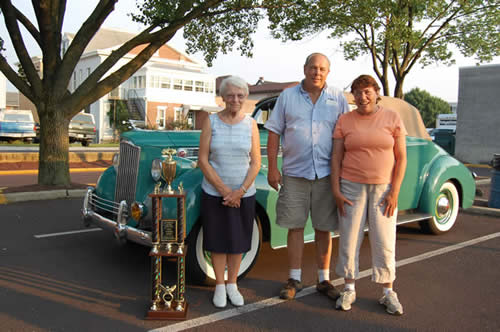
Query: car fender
[{"x": 446, "y": 168}]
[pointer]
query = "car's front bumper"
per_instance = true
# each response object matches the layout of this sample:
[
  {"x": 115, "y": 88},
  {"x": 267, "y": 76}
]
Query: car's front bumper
[{"x": 122, "y": 232}]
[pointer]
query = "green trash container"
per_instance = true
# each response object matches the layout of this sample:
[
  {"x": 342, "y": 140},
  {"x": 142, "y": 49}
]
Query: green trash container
[{"x": 445, "y": 138}]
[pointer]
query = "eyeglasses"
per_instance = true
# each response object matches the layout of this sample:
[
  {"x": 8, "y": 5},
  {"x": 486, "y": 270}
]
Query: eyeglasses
[{"x": 239, "y": 96}]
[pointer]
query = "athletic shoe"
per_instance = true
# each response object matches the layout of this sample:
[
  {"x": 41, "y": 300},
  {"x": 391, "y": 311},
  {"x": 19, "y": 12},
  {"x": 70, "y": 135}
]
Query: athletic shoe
[
  {"x": 391, "y": 303},
  {"x": 347, "y": 297}
]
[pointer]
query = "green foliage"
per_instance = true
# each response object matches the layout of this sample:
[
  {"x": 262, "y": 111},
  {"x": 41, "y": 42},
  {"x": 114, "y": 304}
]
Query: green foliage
[
  {"x": 178, "y": 125},
  {"x": 224, "y": 26},
  {"x": 118, "y": 115},
  {"x": 428, "y": 105},
  {"x": 397, "y": 35}
]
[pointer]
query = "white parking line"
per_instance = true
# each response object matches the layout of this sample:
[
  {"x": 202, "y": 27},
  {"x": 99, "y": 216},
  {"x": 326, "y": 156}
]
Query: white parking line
[
  {"x": 41, "y": 236},
  {"x": 310, "y": 290}
]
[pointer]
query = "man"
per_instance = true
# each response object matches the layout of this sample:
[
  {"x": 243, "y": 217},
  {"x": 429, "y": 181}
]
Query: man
[{"x": 304, "y": 117}]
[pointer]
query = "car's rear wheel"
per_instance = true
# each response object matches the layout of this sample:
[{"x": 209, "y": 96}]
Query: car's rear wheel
[
  {"x": 445, "y": 210},
  {"x": 199, "y": 264},
  {"x": 85, "y": 143}
]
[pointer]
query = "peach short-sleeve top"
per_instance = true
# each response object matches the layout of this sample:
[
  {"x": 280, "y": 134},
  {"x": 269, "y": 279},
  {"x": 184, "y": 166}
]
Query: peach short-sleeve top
[{"x": 369, "y": 145}]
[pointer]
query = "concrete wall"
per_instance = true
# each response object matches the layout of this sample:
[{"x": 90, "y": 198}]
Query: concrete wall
[{"x": 478, "y": 114}]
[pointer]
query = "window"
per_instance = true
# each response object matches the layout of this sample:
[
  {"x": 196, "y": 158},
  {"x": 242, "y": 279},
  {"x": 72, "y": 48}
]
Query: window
[
  {"x": 165, "y": 82},
  {"x": 188, "y": 85},
  {"x": 177, "y": 84},
  {"x": 88, "y": 72},
  {"x": 178, "y": 113},
  {"x": 160, "y": 116},
  {"x": 139, "y": 82},
  {"x": 199, "y": 86},
  {"x": 74, "y": 81}
]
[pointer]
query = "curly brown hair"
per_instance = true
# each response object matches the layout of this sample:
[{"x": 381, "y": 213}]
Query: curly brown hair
[{"x": 365, "y": 81}]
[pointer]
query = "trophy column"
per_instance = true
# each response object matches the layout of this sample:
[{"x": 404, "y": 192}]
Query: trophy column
[{"x": 168, "y": 301}]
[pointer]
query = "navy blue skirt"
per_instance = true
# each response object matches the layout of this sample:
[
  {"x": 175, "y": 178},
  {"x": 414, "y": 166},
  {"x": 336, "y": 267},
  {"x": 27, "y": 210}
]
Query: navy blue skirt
[{"x": 226, "y": 229}]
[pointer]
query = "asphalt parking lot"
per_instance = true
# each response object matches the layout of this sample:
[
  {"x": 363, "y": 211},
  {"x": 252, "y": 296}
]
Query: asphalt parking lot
[{"x": 57, "y": 276}]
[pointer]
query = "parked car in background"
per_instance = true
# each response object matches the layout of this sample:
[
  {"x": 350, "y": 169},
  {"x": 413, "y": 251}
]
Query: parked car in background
[
  {"x": 82, "y": 129},
  {"x": 434, "y": 187},
  {"x": 17, "y": 125}
]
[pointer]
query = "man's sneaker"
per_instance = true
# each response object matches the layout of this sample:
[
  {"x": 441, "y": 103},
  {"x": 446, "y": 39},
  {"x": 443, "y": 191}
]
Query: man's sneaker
[
  {"x": 290, "y": 289},
  {"x": 326, "y": 287},
  {"x": 391, "y": 303},
  {"x": 347, "y": 297}
]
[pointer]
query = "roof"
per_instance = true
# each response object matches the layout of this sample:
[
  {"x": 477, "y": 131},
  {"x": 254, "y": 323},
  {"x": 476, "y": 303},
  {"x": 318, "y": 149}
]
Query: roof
[
  {"x": 261, "y": 86},
  {"x": 107, "y": 38}
]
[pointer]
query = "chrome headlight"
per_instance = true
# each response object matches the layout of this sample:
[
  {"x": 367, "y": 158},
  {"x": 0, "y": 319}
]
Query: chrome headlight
[
  {"x": 156, "y": 170},
  {"x": 116, "y": 161}
]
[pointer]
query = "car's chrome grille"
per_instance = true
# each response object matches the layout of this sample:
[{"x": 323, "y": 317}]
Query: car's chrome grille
[
  {"x": 104, "y": 206},
  {"x": 128, "y": 168}
]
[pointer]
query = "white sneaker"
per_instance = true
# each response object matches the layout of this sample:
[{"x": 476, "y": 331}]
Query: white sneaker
[
  {"x": 234, "y": 295},
  {"x": 347, "y": 297},
  {"x": 220, "y": 298},
  {"x": 391, "y": 303}
]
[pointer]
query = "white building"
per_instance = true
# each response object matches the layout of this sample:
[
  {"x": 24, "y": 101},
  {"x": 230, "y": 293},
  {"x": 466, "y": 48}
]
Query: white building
[
  {"x": 168, "y": 87},
  {"x": 3, "y": 91}
]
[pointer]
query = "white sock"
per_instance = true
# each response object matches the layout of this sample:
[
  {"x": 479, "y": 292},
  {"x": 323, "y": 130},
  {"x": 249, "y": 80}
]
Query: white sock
[
  {"x": 220, "y": 289},
  {"x": 231, "y": 287},
  {"x": 349, "y": 287},
  {"x": 323, "y": 275},
  {"x": 295, "y": 274},
  {"x": 386, "y": 290}
]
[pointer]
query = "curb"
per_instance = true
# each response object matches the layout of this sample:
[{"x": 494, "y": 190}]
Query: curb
[
  {"x": 41, "y": 195},
  {"x": 483, "y": 211},
  {"x": 71, "y": 170}
]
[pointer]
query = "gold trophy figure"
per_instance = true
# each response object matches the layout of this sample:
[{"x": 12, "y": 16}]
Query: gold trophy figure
[{"x": 168, "y": 168}]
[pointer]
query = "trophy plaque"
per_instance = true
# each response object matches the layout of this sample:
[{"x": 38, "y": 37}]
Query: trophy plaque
[{"x": 167, "y": 300}]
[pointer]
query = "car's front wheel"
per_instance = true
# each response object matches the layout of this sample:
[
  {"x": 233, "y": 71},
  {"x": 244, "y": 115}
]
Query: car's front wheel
[
  {"x": 445, "y": 210},
  {"x": 199, "y": 264}
]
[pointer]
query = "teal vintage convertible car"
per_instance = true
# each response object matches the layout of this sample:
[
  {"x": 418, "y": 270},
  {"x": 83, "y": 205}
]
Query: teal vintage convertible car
[{"x": 434, "y": 187}]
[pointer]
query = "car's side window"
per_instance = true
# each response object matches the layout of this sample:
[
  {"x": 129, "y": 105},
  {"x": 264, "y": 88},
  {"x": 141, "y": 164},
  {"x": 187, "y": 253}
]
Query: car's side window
[{"x": 263, "y": 113}]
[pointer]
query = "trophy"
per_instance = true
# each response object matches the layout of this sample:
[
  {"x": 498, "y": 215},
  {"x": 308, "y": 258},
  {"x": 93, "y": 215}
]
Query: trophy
[
  {"x": 168, "y": 167},
  {"x": 168, "y": 234}
]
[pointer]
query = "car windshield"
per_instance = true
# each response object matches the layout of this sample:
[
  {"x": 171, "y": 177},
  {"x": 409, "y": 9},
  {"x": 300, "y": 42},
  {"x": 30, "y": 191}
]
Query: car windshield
[
  {"x": 82, "y": 118},
  {"x": 17, "y": 117}
]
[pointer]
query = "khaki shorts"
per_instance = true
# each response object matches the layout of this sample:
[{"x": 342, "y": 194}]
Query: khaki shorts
[{"x": 298, "y": 197}]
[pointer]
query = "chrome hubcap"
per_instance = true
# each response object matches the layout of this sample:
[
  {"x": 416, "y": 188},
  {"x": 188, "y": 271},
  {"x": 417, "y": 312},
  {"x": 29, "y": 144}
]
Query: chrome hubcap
[{"x": 443, "y": 206}]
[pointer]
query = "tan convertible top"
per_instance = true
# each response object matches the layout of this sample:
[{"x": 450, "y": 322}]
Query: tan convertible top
[{"x": 408, "y": 113}]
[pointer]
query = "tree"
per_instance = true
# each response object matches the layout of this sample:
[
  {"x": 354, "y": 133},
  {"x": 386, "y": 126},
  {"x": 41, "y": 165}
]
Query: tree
[
  {"x": 428, "y": 105},
  {"x": 397, "y": 34},
  {"x": 56, "y": 105}
]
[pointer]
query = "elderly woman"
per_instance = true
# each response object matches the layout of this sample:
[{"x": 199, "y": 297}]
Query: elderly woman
[
  {"x": 229, "y": 158},
  {"x": 368, "y": 166}
]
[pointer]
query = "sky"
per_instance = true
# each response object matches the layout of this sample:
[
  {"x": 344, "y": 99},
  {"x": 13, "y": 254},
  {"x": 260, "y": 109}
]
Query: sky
[{"x": 272, "y": 59}]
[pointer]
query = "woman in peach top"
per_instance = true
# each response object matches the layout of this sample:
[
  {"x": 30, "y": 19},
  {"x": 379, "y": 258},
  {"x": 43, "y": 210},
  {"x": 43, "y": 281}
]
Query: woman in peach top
[{"x": 368, "y": 166}]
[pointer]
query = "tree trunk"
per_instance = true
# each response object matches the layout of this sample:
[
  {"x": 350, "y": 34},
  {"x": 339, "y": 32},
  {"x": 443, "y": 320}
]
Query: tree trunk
[
  {"x": 53, "y": 160},
  {"x": 398, "y": 90}
]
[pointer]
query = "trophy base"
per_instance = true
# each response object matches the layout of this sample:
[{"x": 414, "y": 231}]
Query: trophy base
[{"x": 164, "y": 313}]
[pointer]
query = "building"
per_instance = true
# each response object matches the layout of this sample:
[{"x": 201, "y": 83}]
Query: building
[
  {"x": 478, "y": 116},
  {"x": 260, "y": 90},
  {"x": 171, "y": 87}
]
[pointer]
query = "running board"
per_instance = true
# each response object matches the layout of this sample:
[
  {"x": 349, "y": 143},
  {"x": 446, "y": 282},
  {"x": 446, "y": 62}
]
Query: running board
[{"x": 412, "y": 217}]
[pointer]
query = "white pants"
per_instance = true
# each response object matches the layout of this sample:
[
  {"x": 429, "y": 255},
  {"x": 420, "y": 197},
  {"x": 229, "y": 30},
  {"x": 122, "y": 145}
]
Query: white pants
[{"x": 366, "y": 209}]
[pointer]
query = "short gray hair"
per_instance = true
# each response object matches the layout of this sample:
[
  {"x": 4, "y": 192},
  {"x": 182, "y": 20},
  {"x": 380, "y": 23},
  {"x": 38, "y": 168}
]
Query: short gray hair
[
  {"x": 310, "y": 56},
  {"x": 234, "y": 81}
]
